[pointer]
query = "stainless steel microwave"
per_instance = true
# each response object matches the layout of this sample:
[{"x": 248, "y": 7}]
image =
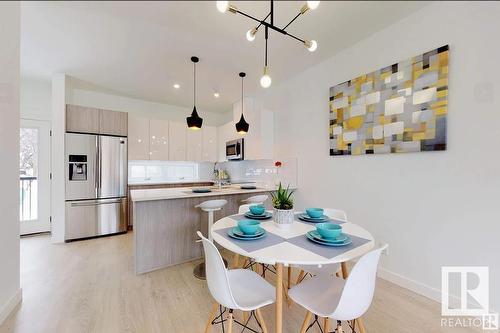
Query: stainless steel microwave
[{"x": 235, "y": 150}]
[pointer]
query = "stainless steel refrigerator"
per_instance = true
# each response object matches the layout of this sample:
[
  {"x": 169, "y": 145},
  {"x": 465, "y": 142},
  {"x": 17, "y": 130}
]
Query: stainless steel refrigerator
[{"x": 96, "y": 185}]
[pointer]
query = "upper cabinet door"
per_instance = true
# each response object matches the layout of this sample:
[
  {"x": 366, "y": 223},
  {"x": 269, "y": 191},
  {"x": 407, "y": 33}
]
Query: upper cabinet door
[
  {"x": 138, "y": 138},
  {"x": 159, "y": 139},
  {"x": 194, "y": 144},
  {"x": 113, "y": 123},
  {"x": 82, "y": 119},
  {"x": 177, "y": 144},
  {"x": 209, "y": 143}
]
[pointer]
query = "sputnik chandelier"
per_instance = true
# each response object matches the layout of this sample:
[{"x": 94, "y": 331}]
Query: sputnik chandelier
[{"x": 311, "y": 45}]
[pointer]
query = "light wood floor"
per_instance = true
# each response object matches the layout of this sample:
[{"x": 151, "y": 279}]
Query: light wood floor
[{"x": 89, "y": 286}]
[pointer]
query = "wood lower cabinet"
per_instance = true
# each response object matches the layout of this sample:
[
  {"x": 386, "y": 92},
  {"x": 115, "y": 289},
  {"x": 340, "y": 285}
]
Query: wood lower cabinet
[{"x": 145, "y": 187}]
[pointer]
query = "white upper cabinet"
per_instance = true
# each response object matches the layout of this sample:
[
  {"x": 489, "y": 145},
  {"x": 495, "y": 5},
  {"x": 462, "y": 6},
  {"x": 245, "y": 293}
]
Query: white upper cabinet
[
  {"x": 226, "y": 132},
  {"x": 209, "y": 143},
  {"x": 177, "y": 144},
  {"x": 138, "y": 138},
  {"x": 259, "y": 140},
  {"x": 159, "y": 139},
  {"x": 193, "y": 144}
]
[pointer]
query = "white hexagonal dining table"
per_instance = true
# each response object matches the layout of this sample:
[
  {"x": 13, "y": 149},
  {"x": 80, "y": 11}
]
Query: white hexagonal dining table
[{"x": 288, "y": 246}]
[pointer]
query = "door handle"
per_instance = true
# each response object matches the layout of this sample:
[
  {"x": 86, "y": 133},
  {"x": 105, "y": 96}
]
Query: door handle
[
  {"x": 87, "y": 204},
  {"x": 100, "y": 166},
  {"x": 97, "y": 167}
]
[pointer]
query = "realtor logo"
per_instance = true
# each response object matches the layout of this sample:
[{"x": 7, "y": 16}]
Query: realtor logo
[
  {"x": 490, "y": 321},
  {"x": 472, "y": 286}
]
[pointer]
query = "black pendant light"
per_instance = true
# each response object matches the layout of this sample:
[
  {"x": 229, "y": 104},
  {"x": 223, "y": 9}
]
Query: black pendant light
[
  {"x": 194, "y": 121},
  {"x": 242, "y": 126}
]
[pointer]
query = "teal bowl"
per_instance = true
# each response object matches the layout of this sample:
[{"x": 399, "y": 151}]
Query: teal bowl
[
  {"x": 248, "y": 227},
  {"x": 257, "y": 209},
  {"x": 329, "y": 230},
  {"x": 314, "y": 212}
]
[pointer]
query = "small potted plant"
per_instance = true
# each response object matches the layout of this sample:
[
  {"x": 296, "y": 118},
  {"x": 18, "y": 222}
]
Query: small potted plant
[{"x": 283, "y": 206}]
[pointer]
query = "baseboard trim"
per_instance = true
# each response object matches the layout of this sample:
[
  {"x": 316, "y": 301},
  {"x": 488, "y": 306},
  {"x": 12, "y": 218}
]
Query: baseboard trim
[
  {"x": 7, "y": 309},
  {"x": 415, "y": 286}
]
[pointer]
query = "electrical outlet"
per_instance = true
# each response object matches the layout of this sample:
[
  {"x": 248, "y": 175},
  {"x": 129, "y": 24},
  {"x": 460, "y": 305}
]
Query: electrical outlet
[{"x": 386, "y": 250}]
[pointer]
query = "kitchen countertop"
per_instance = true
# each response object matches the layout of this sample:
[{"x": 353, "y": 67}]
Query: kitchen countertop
[
  {"x": 156, "y": 182},
  {"x": 186, "y": 192}
]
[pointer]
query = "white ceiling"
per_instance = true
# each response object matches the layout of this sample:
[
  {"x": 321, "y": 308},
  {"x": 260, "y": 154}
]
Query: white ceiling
[{"x": 140, "y": 49}]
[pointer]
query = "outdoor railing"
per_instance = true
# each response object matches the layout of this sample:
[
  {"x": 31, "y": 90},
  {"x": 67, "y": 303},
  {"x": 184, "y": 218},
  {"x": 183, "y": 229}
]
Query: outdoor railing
[{"x": 28, "y": 203}]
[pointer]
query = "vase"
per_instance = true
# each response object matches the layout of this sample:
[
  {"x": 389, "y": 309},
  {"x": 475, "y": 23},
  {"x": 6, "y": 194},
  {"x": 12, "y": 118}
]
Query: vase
[{"x": 283, "y": 217}]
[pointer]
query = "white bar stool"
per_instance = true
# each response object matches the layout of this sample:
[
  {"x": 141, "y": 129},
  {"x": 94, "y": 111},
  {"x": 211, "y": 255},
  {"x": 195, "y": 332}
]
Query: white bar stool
[
  {"x": 256, "y": 199},
  {"x": 210, "y": 207}
]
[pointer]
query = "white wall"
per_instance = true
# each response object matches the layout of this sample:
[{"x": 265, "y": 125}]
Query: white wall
[
  {"x": 36, "y": 99},
  {"x": 141, "y": 108},
  {"x": 57, "y": 189},
  {"x": 433, "y": 208},
  {"x": 10, "y": 292}
]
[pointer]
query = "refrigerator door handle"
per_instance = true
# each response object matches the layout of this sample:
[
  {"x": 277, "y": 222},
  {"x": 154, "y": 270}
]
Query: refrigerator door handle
[
  {"x": 97, "y": 167},
  {"x": 86, "y": 204},
  {"x": 99, "y": 175}
]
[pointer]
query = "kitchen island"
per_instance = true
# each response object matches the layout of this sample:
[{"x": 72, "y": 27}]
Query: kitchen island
[{"x": 166, "y": 220}]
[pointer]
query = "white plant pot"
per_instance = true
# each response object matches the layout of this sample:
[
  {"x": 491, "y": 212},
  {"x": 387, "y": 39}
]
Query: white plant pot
[{"x": 283, "y": 217}]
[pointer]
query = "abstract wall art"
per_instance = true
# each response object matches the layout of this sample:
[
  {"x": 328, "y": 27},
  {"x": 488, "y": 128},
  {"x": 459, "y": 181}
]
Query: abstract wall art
[{"x": 397, "y": 109}]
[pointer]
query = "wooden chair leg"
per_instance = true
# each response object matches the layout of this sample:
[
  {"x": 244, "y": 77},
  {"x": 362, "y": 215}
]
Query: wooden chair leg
[
  {"x": 245, "y": 316},
  {"x": 288, "y": 300},
  {"x": 230, "y": 322},
  {"x": 245, "y": 263},
  {"x": 345, "y": 271},
  {"x": 339, "y": 328},
  {"x": 326, "y": 325},
  {"x": 261, "y": 321},
  {"x": 213, "y": 313},
  {"x": 361, "y": 325},
  {"x": 354, "y": 325},
  {"x": 236, "y": 261},
  {"x": 307, "y": 319},
  {"x": 289, "y": 281},
  {"x": 301, "y": 275}
]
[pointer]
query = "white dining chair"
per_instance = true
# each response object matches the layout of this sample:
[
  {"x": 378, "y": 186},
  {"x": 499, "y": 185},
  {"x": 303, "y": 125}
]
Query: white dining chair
[
  {"x": 209, "y": 206},
  {"x": 330, "y": 269},
  {"x": 330, "y": 297},
  {"x": 244, "y": 208},
  {"x": 235, "y": 289},
  {"x": 257, "y": 199}
]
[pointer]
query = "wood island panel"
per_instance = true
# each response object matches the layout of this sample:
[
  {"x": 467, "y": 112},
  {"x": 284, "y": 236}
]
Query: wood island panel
[
  {"x": 165, "y": 230},
  {"x": 132, "y": 187}
]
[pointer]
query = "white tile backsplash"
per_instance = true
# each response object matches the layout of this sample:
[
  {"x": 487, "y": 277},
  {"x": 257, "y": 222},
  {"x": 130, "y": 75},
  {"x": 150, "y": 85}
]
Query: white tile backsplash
[{"x": 262, "y": 172}]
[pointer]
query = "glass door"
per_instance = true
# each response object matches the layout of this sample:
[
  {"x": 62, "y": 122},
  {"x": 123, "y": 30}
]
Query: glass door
[{"x": 34, "y": 176}]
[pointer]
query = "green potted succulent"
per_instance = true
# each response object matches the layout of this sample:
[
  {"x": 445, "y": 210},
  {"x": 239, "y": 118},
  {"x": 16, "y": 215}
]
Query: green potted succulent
[{"x": 283, "y": 206}]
